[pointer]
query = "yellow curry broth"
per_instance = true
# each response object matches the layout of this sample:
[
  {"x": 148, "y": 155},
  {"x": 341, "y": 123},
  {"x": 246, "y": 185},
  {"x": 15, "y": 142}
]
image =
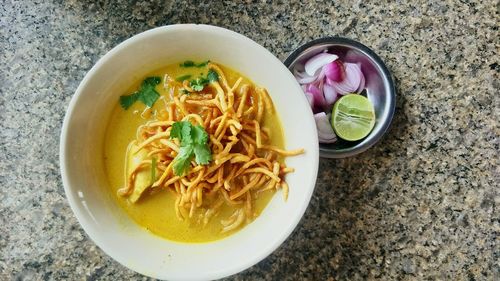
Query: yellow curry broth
[{"x": 155, "y": 209}]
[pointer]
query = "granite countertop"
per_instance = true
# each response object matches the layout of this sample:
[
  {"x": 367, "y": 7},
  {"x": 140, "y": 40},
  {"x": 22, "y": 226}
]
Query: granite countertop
[{"x": 420, "y": 205}]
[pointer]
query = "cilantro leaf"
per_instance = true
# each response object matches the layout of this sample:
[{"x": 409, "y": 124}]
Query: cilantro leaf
[
  {"x": 202, "y": 153},
  {"x": 146, "y": 94},
  {"x": 198, "y": 84},
  {"x": 194, "y": 143},
  {"x": 127, "y": 101},
  {"x": 149, "y": 97},
  {"x": 176, "y": 130},
  {"x": 183, "y": 77},
  {"x": 188, "y": 63},
  {"x": 186, "y": 138},
  {"x": 202, "y": 64},
  {"x": 199, "y": 135},
  {"x": 182, "y": 160},
  {"x": 182, "y": 131},
  {"x": 197, "y": 87},
  {"x": 212, "y": 76},
  {"x": 154, "y": 80}
]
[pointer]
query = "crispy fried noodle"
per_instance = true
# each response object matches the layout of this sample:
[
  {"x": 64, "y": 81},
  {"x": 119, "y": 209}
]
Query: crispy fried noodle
[{"x": 244, "y": 163}]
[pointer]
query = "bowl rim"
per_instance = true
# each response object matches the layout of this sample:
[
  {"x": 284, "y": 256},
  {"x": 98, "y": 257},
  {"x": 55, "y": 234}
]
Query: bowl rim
[
  {"x": 338, "y": 40},
  {"x": 65, "y": 138}
]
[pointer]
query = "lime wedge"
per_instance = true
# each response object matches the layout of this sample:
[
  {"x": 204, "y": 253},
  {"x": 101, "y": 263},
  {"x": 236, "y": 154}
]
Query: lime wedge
[{"x": 353, "y": 117}]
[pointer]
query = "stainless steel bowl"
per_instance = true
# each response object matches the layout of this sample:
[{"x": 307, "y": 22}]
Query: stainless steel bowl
[{"x": 379, "y": 88}]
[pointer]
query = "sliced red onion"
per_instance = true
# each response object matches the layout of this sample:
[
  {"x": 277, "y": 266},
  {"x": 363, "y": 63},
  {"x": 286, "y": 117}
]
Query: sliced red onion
[
  {"x": 343, "y": 88},
  {"x": 330, "y": 94},
  {"x": 319, "y": 83},
  {"x": 325, "y": 130},
  {"x": 335, "y": 71},
  {"x": 318, "y": 61},
  {"x": 318, "y": 98},
  {"x": 353, "y": 75},
  {"x": 323, "y": 80},
  {"x": 313, "y": 89},
  {"x": 321, "y": 77},
  {"x": 303, "y": 78},
  {"x": 352, "y": 81}
]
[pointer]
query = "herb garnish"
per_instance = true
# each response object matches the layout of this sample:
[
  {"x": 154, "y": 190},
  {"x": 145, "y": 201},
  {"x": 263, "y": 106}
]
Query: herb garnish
[
  {"x": 146, "y": 94},
  {"x": 202, "y": 64},
  {"x": 199, "y": 83},
  {"x": 212, "y": 76},
  {"x": 190, "y": 63},
  {"x": 183, "y": 77},
  {"x": 193, "y": 143}
]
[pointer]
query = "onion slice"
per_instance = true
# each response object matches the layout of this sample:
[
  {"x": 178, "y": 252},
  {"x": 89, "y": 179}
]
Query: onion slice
[
  {"x": 303, "y": 78},
  {"x": 318, "y": 98},
  {"x": 330, "y": 94},
  {"x": 352, "y": 81},
  {"x": 318, "y": 61},
  {"x": 335, "y": 71},
  {"x": 325, "y": 130}
]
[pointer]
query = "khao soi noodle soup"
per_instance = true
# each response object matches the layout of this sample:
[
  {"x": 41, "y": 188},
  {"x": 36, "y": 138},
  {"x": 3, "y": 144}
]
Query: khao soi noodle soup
[{"x": 194, "y": 152}]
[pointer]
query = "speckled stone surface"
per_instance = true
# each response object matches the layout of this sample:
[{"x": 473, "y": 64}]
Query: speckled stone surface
[{"x": 423, "y": 204}]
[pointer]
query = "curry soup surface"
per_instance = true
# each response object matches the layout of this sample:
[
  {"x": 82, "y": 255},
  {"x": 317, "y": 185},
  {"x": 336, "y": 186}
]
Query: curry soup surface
[{"x": 155, "y": 210}]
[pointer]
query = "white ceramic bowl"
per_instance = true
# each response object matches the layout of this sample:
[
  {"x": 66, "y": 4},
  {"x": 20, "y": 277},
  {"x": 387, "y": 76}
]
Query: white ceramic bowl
[{"x": 82, "y": 166}]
